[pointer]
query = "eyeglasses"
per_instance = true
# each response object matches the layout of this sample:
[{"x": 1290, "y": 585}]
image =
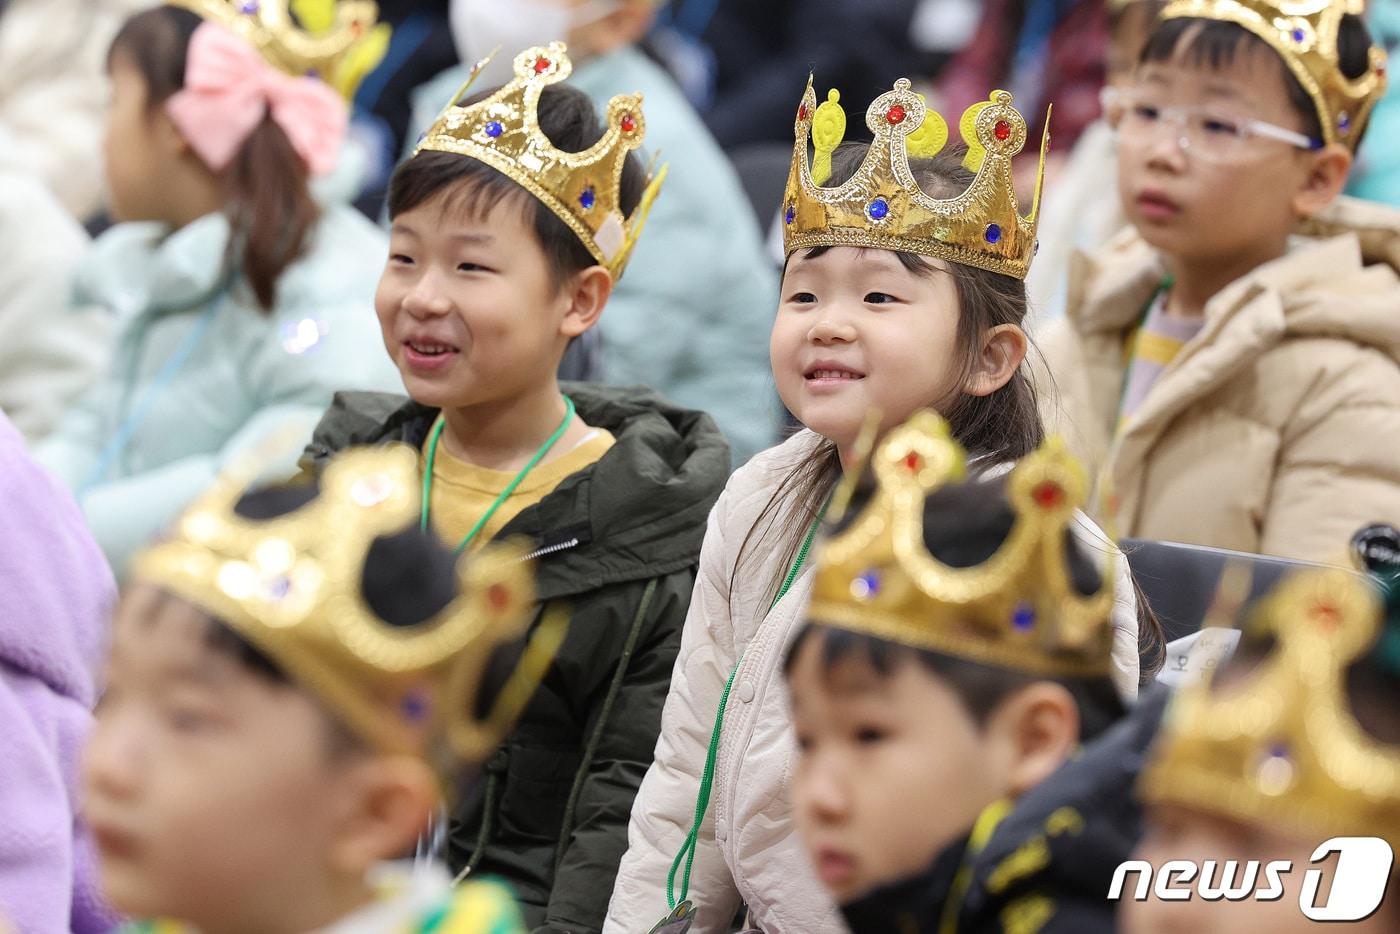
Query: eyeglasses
[{"x": 1212, "y": 133}]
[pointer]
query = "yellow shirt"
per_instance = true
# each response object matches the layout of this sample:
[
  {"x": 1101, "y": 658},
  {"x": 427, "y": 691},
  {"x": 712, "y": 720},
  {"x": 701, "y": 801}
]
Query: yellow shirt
[{"x": 462, "y": 491}]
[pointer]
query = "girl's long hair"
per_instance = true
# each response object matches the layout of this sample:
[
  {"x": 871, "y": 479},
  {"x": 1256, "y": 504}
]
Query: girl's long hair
[{"x": 267, "y": 195}]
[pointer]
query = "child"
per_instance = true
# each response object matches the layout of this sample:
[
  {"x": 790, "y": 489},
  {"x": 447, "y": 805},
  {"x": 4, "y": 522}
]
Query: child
[
  {"x": 1231, "y": 384},
  {"x": 1297, "y": 741},
  {"x": 282, "y": 705},
  {"x": 892, "y": 302},
  {"x": 687, "y": 328},
  {"x": 957, "y": 652},
  {"x": 55, "y": 603},
  {"x": 241, "y": 304},
  {"x": 510, "y": 225}
]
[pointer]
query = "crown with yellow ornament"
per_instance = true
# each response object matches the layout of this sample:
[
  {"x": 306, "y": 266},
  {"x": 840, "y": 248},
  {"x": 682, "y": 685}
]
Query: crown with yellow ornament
[
  {"x": 882, "y": 206},
  {"x": 1018, "y": 609},
  {"x": 291, "y": 585},
  {"x": 582, "y": 188},
  {"x": 338, "y": 42},
  {"x": 1280, "y": 746},
  {"x": 1304, "y": 34}
]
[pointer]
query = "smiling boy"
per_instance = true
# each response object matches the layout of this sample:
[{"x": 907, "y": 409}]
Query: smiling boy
[
  {"x": 510, "y": 225},
  {"x": 1229, "y": 368}
]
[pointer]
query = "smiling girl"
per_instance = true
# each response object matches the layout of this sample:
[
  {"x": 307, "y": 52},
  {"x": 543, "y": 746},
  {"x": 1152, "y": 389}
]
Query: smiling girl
[{"x": 892, "y": 301}]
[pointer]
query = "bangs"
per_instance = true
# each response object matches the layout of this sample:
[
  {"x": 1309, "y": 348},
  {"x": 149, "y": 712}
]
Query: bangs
[{"x": 473, "y": 188}]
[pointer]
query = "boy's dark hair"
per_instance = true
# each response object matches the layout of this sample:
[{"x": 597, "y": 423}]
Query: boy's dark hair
[
  {"x": 1218, "y": 43},
  {"x": 267, "y": 193},
  {"x": 1000, "y": 427},
  {"x": 964, "y": 525},
  {"x": 408, "y": 578},
  {"x": 568, "y": 119}
]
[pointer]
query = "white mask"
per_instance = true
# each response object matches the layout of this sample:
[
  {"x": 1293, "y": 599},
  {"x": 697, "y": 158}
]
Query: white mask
[{"x": 481, "y": 26}]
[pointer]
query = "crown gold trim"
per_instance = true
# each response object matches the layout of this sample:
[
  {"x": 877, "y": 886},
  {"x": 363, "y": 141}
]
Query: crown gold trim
[
  {"x": 882, "y": 206},
  {"x": 336, "y": 42},
  {"x": 1018, "y": 609},
  {"x": 1304, "y": 34},
  {"x": 291, "y": 585},
  {"x": 582, "y": 188},
  {"x": 1280, "y": 746}
]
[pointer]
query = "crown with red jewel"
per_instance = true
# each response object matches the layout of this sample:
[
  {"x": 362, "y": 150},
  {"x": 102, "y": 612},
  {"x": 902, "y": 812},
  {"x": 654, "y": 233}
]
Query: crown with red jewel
[
  {"x": 295, "y": 592},
  {"x": 582, "y": 188},
  {"x": 1304, "y": 33},
  {"x": 1018, "y": 609},
  {"x": 881, "y": 206}
]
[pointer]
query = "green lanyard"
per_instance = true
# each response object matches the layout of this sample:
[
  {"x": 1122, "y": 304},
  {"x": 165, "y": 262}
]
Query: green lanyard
[
  {"x": 702, "y": 800},
  {"x": 510, "y": 488}
]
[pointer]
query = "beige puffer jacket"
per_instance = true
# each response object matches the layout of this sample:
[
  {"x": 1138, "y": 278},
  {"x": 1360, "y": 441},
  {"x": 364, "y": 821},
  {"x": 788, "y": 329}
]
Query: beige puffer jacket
[
  {"x": 1277, "y": 429},
  {"x": 749, "y": 851}
]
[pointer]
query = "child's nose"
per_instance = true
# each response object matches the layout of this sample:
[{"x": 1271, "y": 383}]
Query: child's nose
[
  {"x": 110, "y": 762},
  {"x": 832, "y": 327},
  {"x": 826, "y": 794},
  {"x": 427, "y": 298}
]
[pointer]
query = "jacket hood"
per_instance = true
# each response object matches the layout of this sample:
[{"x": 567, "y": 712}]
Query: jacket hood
[
  {"x": 56, "y": 590},
  {"x": 1340, "y": 278},
  {"x": 637, "y": 513}
]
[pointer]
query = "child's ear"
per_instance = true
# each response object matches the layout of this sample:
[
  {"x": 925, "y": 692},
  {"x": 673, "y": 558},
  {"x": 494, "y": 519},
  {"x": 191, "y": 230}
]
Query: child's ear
[
  {"x": 1003, "y": 349},
  {"x": 386, "y": 805},
  {"x": 1041, "y": 723},
  {"x": 168, "y": 137},
  {"x": 1328, "y": 169},
  {"x": 587, "y": 294}
]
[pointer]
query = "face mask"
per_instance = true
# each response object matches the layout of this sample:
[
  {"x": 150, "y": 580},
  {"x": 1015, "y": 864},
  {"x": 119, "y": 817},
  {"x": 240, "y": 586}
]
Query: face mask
[{"x": 479, "y": 26}]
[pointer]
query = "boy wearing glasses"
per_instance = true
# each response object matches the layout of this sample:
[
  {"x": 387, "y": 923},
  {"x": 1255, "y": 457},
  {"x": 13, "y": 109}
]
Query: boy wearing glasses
[{"x": 1229, "y": 366}]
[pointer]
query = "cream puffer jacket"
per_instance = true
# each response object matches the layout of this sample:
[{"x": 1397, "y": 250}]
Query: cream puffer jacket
[
  {"x": 1276, "y": 429},
  {"x": 748, "y": 850}
]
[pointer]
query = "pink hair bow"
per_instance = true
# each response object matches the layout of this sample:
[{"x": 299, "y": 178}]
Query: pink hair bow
[{"x": 229, "y": 87}]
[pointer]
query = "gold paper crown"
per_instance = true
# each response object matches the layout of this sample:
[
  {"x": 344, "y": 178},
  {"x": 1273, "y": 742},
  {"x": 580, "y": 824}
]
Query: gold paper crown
[
  {"x": 882, "y": 206},
  {"x": 1018, "y": 609},
  {"x": 291, "y": 586},
  {"x": 1280, "y": 747},
  {"x": 337, "y": 42},
  {"x": 1304, "y": 33},
  {"x": 582, "y": 188}
]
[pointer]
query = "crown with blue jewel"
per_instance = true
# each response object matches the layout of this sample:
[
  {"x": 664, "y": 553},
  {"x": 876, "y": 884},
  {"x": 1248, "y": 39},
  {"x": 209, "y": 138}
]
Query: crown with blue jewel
[
  {"x": 295, "y": 591},
  {"x": 1019, "y": 609},
  {"x": 881, "y": 206},
  {"x": 582, "y": 188}
]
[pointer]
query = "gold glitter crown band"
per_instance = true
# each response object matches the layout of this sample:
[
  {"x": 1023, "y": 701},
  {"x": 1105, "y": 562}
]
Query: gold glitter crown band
[
  {"x": 337, "y": 42},
  {"x": 582, "y": 188},
  {"x": 291, "y": 586},
  {"x": 882, "y": 206},
  {"x": 1304, "y": 33},
  {"x": 1018, "y": 609},
  {"x": 1280, "y": 746}
]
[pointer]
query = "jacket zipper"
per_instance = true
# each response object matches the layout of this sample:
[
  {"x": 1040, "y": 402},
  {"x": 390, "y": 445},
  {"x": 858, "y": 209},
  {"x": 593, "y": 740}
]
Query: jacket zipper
[{"x": 551, "y": 549}]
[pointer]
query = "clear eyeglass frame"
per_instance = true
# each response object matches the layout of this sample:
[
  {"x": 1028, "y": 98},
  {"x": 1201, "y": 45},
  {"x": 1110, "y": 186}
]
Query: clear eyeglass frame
[{"x": 1210, "y": 133}]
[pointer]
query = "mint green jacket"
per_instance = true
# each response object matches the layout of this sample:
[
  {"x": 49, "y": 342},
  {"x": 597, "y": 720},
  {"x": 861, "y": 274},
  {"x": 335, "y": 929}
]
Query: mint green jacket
[{"x": 199, "y": 374}]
